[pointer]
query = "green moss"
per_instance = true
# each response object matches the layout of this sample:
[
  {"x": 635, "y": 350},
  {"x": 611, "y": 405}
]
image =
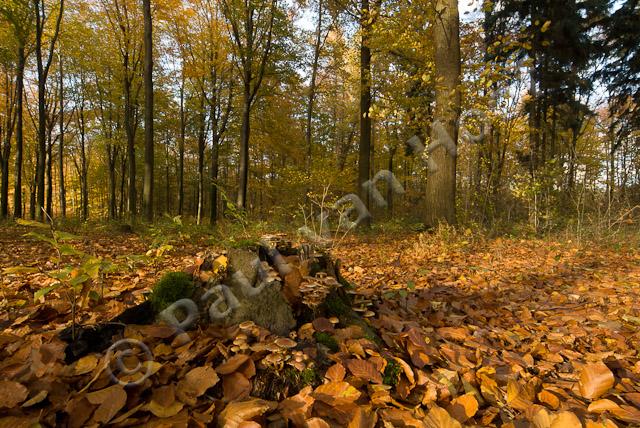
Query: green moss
[
  {"x": 327, "y": 340},
  {"x": 391, "y": 373},
  {"x": 301, "y": 379},
  {"x": 171, "y": 287},
  {"x": 336, "y": 306},
  {"x": 243, "y": 244}
]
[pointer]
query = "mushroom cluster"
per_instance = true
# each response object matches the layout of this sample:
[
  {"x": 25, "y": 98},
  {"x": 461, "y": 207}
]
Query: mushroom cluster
[{"x": 314, "y": 289}]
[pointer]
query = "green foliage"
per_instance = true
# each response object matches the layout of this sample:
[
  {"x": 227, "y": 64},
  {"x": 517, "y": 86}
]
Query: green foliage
[
  {"x": 392, "y": 372},
  {"x": 172, "y": 286},
  {"x": 300, "y": 379},
  {"x": 327, "y": 340}
]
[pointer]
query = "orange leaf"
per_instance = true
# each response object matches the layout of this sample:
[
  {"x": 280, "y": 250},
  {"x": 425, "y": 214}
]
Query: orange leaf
[
  {"x": 595, "y": 380},
  {"x": 602, "y": 405},
  {"x": 111, "y": 400},
  {"x": 236, "y": 413},
  {"x": 235, "y": 386},
  {"x": 464, "y": 407},
  {"x": 364, "y": 370},
  {"x": 440, "y": 418},
  {"x": 335, "y": 373}
]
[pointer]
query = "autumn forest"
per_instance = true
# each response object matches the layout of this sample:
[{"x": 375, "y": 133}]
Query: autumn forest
[{"x": 320, "y": 213}]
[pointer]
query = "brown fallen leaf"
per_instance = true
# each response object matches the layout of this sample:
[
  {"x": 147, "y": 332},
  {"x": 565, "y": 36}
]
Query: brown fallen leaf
[
  {"x": 440, "y": 418},
  {"x": 595, "y": 380},
  {"x": 241, "y": 411},
  {"x": 36, "y": 398},
  {"x": 316, "y": 423},
  {"x": 85, "y": 365},
  {"x": 110, "y": 401},
  {"x": 565, "y": 420},
  {"x": 235, "y": 386},
  {"x": 163, "y": 411},
  {"x": 12, "y": 393},
  {"x": 297, "y": 409},
  {"x": 364, "y": 370},
  {"x": 364, "y": 417},
  {"x": 195, "y": 383},
  {"x": 232, "y": 364},
  {"x": 334, "y": 393},
  {"x": 602, "y": 405},
  {"x": 336, "y": 373},
  {"x": 549, "y": 398},
  {"x": 607, "y": 423},
  {"x": 464, "y": 407}
]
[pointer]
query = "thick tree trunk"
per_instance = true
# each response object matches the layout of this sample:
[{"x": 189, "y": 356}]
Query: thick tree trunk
[
  {"x": 441, "y": 184},
  {"x": 364, "y": 151},
  {"x": 17, "y": 188},
  {"x": 147, "y": 190},
  {"x": 49, "y": 202},
  {"x": 5, "y": 149}
]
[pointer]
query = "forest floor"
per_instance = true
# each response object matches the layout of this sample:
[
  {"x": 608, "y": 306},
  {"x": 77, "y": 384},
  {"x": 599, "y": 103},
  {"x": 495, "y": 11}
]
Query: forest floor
[{"x": 475, "y": 332}]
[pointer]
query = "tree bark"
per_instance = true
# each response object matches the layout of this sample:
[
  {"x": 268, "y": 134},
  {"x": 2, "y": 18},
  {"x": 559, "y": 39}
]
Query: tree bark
[
  {"x": 312, "y": 87},
  {"x": 364, "y": 151},
  {"x": 62, "y": 189},
  {"x": 181, "y": 150},
  {"x": 147, "y": 190},
  {"x": 17, "y": 188},
  {"x": 441, "y": 184}
]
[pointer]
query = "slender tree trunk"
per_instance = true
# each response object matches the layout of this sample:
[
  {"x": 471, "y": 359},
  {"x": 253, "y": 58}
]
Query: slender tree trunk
[
  {"x": 181, "y": 150},
  {"x": 131, "y": 150},
  {"x": 364, "y": 152},
  {"x": 49, "y": 203},
  {"x": 62, "y": 190},
  {"x": 441, "y": 184},
  {"x": 215, "y": 167},
  {"x": 17, "y": 188},
  {"x": 123, "y": 176},
  {"x": 112, "y": 156},
  {"x": 244, "y": 146},
  {"x": 202, "y": 140},
  {"x": 147, "y": 191},
  {"x": 41, "y": 132},
  {"x": 312, "y": 87}
]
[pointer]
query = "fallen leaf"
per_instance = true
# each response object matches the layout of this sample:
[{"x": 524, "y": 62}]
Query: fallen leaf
[
  {"x": 565, "y": 420},
  {"x": 602, "y": 405},
  {"x": 464, "y": 407},
  {"x": 195, "y": 383},
  {"x": 335, "y": 373},
  {"x": 12, "y": 393},
  {"x": 241, "y": 411},
  {"x": 232, "y": 364},
  {"x": 235, "y": 386},
  {"x": 440, "y": 418},
  {"x": 110, "y": 399},
  {"x": 364, "y": 370},
  {"x": 595, "y": 380}
]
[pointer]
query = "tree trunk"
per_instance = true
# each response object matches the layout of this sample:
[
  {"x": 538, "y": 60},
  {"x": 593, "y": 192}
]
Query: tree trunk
[
  {"x": 131, "y": 150},
  {"x": 181, "y": 150},
  {"x": 364, "y": 152},
  {"x": 112, "y": 156},
  {"x": 62, "y": 190},
  {"x": 244, "y": 148},
  {"x": 41, "y": 132},
  {"x": 441, "y": 184},
  {"x": 5, "y": 150},
  {"x": 17, "y": 188},
  {"x": 202, "y": 140},
  {"x": 147, "y": 190},
  {"x": 312, "y": 87},
  {"x": 215, "y": 167},
  {"x": 49, "y": 202}
]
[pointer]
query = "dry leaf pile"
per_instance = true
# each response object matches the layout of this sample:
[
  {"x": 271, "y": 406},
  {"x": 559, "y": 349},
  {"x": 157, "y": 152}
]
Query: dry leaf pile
[{"x": 472, "y": 333}]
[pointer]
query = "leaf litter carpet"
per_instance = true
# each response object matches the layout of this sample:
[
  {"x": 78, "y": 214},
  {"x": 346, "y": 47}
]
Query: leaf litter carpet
[{"x": 474, "y": 332}]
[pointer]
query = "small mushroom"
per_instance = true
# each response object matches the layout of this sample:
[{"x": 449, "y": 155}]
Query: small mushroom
[{"x": 286, "y": 342}]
